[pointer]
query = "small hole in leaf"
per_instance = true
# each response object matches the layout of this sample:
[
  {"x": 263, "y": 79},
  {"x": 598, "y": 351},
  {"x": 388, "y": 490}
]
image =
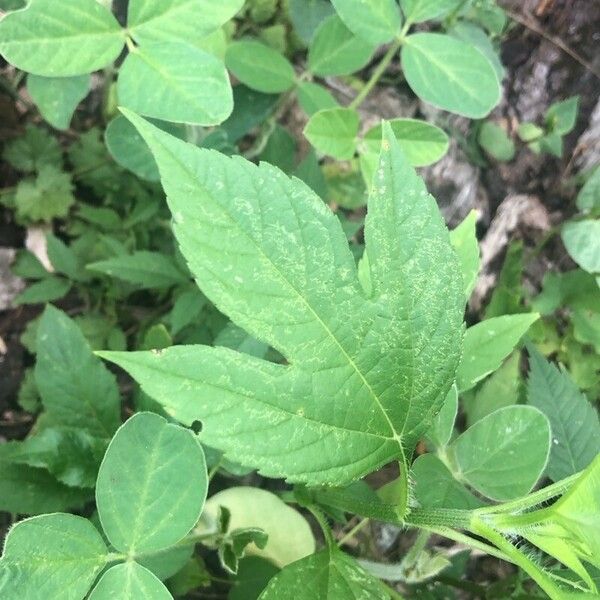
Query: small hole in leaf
[{"x": 197, "y": 427}]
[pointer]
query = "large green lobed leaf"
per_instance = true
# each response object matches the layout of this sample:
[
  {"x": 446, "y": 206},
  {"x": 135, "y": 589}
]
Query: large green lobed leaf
[
  {"x": 61, "y": 38},
  {"x": 365, "y": 376}
]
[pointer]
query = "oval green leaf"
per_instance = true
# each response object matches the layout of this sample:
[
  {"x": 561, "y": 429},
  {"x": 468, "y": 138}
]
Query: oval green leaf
[
  {"x": 183, "y": 20},
  {"x": 52, "y": 553},
  {"x": 422, "y": 142},
  {"x": 151, "y": 469},
  {"x": 487, "y": 344},
  {"x": 376, "y": 21},
  {"x": 504, "y": 454},
  {"x": 335, "y": 50},
  {"x": 450, "y": 74},
  {"x": 175, "y": 82},
  {"x": 57, "y": 97},
  {"x": 582, "y": 240},
  {"x": 61, "y": 39},
  {"x": 327, "y": 575},
  {"x": 334, "y": 131},
  {"x": 260, "y": 67},
  {"x": 129, "y": 581}
]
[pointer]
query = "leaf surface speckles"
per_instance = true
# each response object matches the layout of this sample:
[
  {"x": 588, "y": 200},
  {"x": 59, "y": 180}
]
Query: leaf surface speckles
[{"x": 365, "y": 376}]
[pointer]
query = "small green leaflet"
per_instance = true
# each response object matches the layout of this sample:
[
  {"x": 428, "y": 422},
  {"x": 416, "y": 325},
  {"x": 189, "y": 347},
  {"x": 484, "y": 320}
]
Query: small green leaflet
[
  {"x": 504, "y": 454},
  {"x": 260, "y": 67},
  {"x": 272, "y": 256},
  {"x": 488, "y": 343},
  {"x": 422, "y": 142},
  {"x": 175, "y": 82},
  {"x": 335, "y": 50},
  {"x": 441, "y": 429},
  {"x": 417, "y": 11},
  {"x": 143, "y": 268},
  {"x": 48, "y": 289},
  {"x": 327, "y": 575},
  {"x": 495, "y": 141},
  {"x": 129, "y": 150},
  {"x": 57, "y": 97},
  {"x": 129, "y": 581},
  {"x": 375, "y": 21},
  {"x": 184, "y": 20},
  {"x": 314, "y": 97},
  {"x": 575, "y": 424},
  {"x": 76, "y": 388},
  {"x": 450, "y": 74},
  {"x": 333, "y": 131},
  {"x": 582, "y": 240},
  {"x": 561, "y": 116},
  {"x": 50, "y": 554},
  {"x": 464, "y": 240},
  {"x": 589, "y": 196},
  {"x": 83, "y": 37}
]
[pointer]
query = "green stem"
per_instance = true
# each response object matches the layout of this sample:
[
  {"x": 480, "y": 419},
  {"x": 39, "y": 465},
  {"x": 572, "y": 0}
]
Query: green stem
[
  {"x": 439, "y": 517},
  {"x": 462, "y": 538},
  {"x": 531, "y": 500},
  {"x": 322, "y": 521},
  {"x": 519, "y": 559},
  {"x": 377, "y": 73},
  {"x": 360, "y": 525}
]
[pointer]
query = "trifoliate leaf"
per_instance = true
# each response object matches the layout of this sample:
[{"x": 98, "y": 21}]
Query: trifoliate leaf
[
  {"x": 44, "y": 197},
  {"x": 365, "y": 377},
  {"x": 34, "y": 150},
  {"x": 57, "y": 97},
  {"x": 61, "y": 39},
  {"x": 575, "y": 424}
]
